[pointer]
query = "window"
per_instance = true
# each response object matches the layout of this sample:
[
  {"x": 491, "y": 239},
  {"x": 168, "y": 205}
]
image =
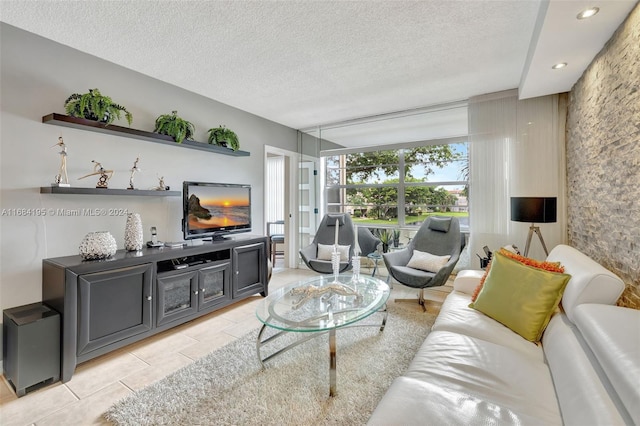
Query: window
[{"x": 399, "y": 187}]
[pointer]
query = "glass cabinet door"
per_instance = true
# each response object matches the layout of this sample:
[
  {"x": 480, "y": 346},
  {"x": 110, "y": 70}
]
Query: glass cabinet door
[
  {"x": 214, "y": 285},
  {"x": 177, "y": 296}
]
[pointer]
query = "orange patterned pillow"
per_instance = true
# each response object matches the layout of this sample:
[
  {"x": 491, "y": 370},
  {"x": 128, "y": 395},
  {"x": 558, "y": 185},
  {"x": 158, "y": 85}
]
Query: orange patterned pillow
[
  {"x": 481, "y": 283},
  {"x": 547, "y": 266}
]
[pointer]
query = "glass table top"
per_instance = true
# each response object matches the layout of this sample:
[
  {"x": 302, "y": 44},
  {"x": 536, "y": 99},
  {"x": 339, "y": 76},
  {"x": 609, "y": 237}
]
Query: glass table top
[{"x": 322, "y": 303}]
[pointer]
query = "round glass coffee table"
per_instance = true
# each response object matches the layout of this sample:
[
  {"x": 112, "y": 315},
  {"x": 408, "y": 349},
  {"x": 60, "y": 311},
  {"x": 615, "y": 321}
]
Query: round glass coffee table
[{"x": 321, "y": 305}]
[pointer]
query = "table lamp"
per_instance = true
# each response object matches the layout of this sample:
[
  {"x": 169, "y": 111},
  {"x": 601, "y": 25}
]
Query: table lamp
[{"x": 534, "y": 210}]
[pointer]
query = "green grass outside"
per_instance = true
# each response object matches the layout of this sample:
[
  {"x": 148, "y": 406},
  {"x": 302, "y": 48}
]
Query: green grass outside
[{"x": 408, "y": 219}]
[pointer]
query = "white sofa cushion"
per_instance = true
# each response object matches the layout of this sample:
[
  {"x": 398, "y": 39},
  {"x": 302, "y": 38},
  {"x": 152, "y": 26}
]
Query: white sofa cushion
[
  {"x": 416, "y": 402},
  {"x": 613, "y": 335},
  {"x": 467, "y": 280},
  {"x": 490, "y": 372},
  {"x": 575, "y": 379},
  {"x": 457, "y": 317},
  {"x": 589, "y": 283}
]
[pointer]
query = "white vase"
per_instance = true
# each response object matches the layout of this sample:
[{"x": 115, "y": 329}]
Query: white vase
[
  {"x": 98, "y": 245},
  {"x": 133, "y": 232}
]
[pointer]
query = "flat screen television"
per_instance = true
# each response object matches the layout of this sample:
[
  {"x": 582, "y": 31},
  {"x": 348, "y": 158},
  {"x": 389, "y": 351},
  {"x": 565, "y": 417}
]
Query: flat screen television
[{"x": 213, "y": 210}]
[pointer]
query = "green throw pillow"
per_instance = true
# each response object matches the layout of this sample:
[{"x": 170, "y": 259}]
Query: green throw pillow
[{"x": 521, "y": 297}]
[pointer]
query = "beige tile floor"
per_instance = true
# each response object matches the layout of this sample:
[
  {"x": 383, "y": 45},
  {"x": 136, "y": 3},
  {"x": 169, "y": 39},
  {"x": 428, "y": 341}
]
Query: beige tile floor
[{"x": 99, "y": 383}]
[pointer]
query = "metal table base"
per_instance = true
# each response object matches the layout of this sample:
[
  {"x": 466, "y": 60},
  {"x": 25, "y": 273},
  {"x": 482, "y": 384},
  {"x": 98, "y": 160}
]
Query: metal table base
[{"x": 312, "y": 335}]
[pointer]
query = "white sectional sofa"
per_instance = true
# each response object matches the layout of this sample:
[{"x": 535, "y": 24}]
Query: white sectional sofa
[{"x": 472, "y": 370}]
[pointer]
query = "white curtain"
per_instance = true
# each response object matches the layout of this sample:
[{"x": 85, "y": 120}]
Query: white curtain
[
  {"x": 274, "y": 196},
  {"x": 516, "y": 149}
]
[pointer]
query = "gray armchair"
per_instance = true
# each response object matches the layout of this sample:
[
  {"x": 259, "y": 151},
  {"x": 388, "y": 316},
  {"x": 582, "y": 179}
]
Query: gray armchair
[
  {"x": 438, "y": 236},
  {"x": 368, "y": 244},
  {"x": 326, "y": 235},
  {"x": 367, "y": 241}
]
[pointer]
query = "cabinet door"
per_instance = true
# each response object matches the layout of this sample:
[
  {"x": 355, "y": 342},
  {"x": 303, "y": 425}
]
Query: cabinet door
[
  {"x": 113, "y": 305},
  {"x": 250, "y": 270},
  {"x": 214, "y": 285},
  {"x": 177, "y": 296}
]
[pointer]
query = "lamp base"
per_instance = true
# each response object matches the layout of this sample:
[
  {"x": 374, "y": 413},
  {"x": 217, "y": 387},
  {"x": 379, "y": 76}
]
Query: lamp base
[{"x": 535, "y": 229}]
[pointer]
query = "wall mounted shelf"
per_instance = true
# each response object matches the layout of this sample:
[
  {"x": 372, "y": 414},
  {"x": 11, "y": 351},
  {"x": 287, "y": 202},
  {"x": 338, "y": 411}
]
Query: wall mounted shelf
[
  {"x": 111, "y": 129},
  {"x": 106, "y": 191}
]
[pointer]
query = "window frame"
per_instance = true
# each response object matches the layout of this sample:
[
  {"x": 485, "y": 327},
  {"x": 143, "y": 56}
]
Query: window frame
[{"x": 401, "y": 185}]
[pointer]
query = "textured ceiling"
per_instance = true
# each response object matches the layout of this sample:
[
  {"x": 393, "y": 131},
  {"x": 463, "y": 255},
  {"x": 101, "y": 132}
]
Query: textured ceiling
[{"x": 308, "y": 63}]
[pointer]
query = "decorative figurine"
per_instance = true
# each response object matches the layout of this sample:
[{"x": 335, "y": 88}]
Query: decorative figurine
[
  {"x": 105, "y": 175},
  {"x": 61, "y": 179},
  {"x": 134, "y": 169},
  {"x": 311, "y": 292},
  {"x": 161, "y": 186}
]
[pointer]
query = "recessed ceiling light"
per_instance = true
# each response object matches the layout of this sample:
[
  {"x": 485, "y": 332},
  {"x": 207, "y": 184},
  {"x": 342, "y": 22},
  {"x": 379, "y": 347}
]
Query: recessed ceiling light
[
  {"x": 588, "y": 13},
  {"x": 560, "y": 65}
]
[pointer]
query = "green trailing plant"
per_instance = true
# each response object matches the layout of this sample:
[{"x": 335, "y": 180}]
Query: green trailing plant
[
  {"x": 95, "y": 106},
  {"x": 174, "y": 126},
  {"x": 222, "y": 136}
]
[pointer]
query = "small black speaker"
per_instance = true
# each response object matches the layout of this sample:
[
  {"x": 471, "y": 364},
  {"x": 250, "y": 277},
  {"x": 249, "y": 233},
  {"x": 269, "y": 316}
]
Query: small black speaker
[{"x": 31, "y": 347}]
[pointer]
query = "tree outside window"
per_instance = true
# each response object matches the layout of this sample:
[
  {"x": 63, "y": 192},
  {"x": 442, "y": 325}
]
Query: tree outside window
[{"x": 399, "y": 187}]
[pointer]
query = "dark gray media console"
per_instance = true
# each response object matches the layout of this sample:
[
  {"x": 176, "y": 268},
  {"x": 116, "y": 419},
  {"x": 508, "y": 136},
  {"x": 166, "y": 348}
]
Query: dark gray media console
[{"x": 107, "y": 304}]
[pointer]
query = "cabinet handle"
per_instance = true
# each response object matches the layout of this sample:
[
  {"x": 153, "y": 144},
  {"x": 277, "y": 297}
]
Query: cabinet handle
[
  {"x": 238, "y": 272},
  {"x": 202, "y": 290},
  {"x": 195, "y": 292},
  {"x": 149, "y": 298}
]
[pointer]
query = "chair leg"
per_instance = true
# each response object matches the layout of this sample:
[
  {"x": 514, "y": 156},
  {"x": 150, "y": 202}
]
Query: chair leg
[
  {"x": 421, "y": 300},
  {"x": 273, "y": 254}
]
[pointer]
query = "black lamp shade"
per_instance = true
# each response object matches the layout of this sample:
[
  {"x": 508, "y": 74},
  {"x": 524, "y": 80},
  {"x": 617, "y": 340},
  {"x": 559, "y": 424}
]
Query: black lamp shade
[{"x": 533, "y": 209}]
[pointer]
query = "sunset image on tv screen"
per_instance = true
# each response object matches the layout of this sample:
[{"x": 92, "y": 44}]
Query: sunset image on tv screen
[{"x": 218, "y": 207}]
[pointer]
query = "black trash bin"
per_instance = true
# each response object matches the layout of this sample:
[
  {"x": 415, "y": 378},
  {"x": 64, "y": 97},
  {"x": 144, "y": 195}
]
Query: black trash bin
[{"x": 31, "y": 347}]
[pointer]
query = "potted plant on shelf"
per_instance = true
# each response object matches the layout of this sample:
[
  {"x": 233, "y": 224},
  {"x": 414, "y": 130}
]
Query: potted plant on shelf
[
  {"x": 172, "y": 125},
  {"x": 95, "y": 106},
  {"x": 386, "y": 237},
  {"x": 396, "y": 237},
  {"x": 222, "y": 136}
]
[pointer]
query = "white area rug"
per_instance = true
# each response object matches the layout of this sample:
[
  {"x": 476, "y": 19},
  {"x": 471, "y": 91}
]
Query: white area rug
[{"x": 228, "y": 387}]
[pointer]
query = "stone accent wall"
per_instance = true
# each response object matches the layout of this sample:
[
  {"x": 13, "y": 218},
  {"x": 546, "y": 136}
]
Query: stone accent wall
[{"x": 603, "y": 158}]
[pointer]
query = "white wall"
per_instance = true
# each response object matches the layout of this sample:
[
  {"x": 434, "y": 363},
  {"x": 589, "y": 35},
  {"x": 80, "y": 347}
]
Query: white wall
[{"x": 37, "y": 75}]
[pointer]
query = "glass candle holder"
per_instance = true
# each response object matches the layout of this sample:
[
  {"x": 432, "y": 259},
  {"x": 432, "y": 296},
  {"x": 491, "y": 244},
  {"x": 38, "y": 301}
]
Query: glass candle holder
[
  {"x": 355, "y": 264},
  {"x": 335, "y": 264}
]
